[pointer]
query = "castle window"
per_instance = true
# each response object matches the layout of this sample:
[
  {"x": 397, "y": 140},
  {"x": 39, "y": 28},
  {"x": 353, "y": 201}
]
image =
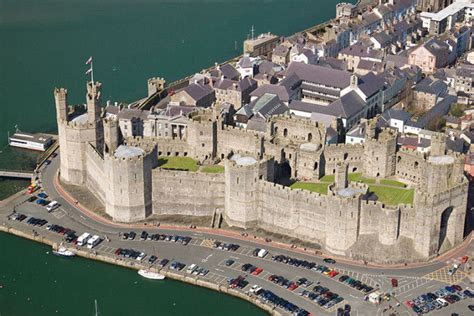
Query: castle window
[
  {"x": 416, "y": 164},
  {"x": 315, "y": 165},
  {"x": 310, "y": 137},
  {"x": 399, "y": 159},
  {"x": 237, "y": 180},
  {"x": 201, "y": 133},
  {"x": 202, "y": 144},
  {"x": 285, "y": 132},
  {"x": 185, "y": 154},
  {"x": 345, "y": 156}
]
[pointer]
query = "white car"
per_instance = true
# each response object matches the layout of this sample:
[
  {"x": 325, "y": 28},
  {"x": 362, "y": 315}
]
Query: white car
[
  {"x": 442, "y": 301},
  {"x": 52, "y": 206},
  {"x": 141, "y": 256}
]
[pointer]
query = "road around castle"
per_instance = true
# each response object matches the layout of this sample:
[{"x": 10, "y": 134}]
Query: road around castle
[{"x": 413, "y": 280}]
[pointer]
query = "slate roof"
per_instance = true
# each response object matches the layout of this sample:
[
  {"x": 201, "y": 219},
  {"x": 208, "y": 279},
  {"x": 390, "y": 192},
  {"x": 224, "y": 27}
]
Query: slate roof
[
  {"x": 436, "y": 47},
  {"x": 281, "y": 50},
  {"x": 439, "y": 110},
  {"x": 268, "y": 67},
  {"x": 348, "y": 105},
  {"x": 431, "y": 86},
  {"x": 268, "y": 105},
  {"x": 245, "y": 62},
  {"x": 198, "y": 91},
  {"x": 370, "y": 84},
  {"x": 465, "y": 70},
  {"x": 128, "y": 114},
  {"x": 320, "y": 75},
  {"x": 362, "y": 51},
  {"x": 396, "y": 114},
  {"x": 332, "y": 62},
  {"x": 226, "y": 70}
]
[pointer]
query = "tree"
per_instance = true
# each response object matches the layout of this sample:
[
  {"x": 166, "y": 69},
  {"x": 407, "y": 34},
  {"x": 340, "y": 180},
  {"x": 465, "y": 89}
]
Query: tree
[{"x": 457, "y": 109}]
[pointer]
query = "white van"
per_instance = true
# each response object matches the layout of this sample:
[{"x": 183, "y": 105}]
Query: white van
[
  {"x": 191, "y": 268},
  {"x": 262, "y": 253},
  {"x": 82, "y": 240},
  {"x": 93, "y": 241},
  {"x": 52, "y": 206}
]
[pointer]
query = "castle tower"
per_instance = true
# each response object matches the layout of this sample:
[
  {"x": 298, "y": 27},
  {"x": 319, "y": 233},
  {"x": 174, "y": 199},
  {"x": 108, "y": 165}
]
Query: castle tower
[
  {"x": 241, "y": 189},
  {"x": 438, "y": 144},
  {"x": 343, "y": 217},
  {"x": 112, "y": 135},
  {"x": 380, "y": 154},
  {"x": 341, "y": 176},
  {"x": 155, "y": 84},
  {"x": 60, "y": 98},
  {"x": 129, "y": 172},
  {"x": 93, "y": 101}
]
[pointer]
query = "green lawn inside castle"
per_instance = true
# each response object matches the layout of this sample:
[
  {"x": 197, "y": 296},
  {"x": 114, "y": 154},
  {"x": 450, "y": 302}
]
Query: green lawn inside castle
[
  {"x": 388, "y": 191},
  {"x": 186, "y": 164}
]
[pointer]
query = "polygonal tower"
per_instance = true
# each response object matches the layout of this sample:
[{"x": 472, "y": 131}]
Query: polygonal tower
[
  {"x": 380, "y": 154},
  {"x": 76, "y": 131},
  {"x": 129, "y": 172},
  {"x": 241, "y": 189}
]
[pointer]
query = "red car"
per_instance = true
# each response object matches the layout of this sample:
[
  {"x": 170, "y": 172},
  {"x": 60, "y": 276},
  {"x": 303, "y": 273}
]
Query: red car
[
  {"x": 409, "y": 304},
  {"x": 117, "y": 252},
  {"x": 272, "y": 277},
  {"x": 257, "y": 271},
  {"x": 394, "y": 282},
  {"x": 292, "y": 286},
  {"x": 333, "y": 273}
]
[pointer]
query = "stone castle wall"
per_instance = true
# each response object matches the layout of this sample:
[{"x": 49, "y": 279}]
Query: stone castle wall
[
  {"x": 96, "y": 179},
  {"x": 187, "y": 193}
]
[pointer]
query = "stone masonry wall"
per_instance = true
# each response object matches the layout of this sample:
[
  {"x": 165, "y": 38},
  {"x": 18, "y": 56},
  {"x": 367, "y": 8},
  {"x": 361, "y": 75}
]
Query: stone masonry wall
[{"x": 187, "y": 193}]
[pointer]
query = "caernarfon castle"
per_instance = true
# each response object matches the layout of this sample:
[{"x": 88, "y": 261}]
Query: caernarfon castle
[{"x": 123, "y": 173}]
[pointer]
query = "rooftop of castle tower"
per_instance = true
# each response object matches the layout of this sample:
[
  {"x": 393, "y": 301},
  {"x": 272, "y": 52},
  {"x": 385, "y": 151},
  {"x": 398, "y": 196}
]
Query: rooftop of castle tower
[
  {"x": 441, "y": 160},
  {"x": 349, "y": 192},
  {"x": 80, "y": 119},
  {"x": 124, "y": 151},
  {"x": 243, "y": 161}
]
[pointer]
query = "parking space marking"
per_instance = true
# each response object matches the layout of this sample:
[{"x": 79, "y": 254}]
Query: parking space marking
[
  {"x": 59, "y": 213},
  {"x": 207, "y": 242}
]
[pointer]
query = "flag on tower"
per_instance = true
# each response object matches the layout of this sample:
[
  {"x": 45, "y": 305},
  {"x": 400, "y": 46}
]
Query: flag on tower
[
  {"x": 89, "y": 61},
  {"x": 89, "y": 71}
]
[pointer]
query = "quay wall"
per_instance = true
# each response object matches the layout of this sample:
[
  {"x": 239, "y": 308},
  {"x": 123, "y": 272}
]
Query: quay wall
[
  {"x": 131, "y": 265},
  {"x": 187, "y": 193}
]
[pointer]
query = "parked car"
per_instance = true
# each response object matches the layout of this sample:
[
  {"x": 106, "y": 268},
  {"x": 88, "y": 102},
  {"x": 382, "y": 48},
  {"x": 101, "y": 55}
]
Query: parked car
[
  {"x": 329, "y": 260},
  {"x": 229, "y": 262}
]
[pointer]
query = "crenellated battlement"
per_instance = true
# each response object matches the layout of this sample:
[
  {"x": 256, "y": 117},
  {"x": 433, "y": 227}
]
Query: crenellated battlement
[{"x": 295, "y": 119}]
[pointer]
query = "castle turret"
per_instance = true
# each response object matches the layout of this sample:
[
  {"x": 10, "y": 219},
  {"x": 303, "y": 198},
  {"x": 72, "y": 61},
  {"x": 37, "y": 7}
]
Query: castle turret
[
  {"x": 380, "y": 154},
  {"x": 93, "y": 101},
  {"x": 60, "y": 97},
  {"x": 438, "y": 144},
  {"x": 341, "y": 175},
  {"x": 112, "y": 135},
  {"x": 155, "y": 85}
]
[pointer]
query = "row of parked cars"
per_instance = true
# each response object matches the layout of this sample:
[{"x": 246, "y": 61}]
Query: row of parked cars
[
  {"x": 271, "y": 298},
  {"x": 250, "y": 268},
  {"x": 356, "y": 284},
  {"x": 238, "y": 282},
  {"x": 282, "y": 281},
  {"x": 42, "y": 200},
  {"x": 438, "y": 299},
  {"x": 130, "y": 254},
  {"x": 196, "y": 270},
  {"x": 156, "y": 237},
  {"x": 225, "y": 246},
  {"x": 322, "y": 296}
]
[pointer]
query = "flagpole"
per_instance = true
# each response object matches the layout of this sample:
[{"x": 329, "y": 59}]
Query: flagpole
[{"x": 92, "y": 72}]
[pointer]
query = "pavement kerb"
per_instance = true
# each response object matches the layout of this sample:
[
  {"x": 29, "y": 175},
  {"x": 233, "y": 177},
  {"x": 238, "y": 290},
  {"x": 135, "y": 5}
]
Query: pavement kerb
[{"x": 219, "y": 232}]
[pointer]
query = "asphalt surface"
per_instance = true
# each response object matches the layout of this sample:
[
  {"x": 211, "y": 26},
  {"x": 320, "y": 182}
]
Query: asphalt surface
[{"x": 412, "y": 281}]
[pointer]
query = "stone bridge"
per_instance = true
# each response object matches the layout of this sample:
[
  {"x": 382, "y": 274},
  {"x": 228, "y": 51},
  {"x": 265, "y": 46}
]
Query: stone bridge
[{"x": 22, "y": 174}]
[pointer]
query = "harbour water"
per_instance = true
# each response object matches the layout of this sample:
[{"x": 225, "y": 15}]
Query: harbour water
[{"x": 45, "y": 44}]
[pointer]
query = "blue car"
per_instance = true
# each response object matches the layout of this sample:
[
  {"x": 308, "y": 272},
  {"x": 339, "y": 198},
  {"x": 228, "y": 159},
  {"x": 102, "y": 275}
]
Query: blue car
[
  {"x": 42, "y": 195},
  {"x": 41, "y": 202}
]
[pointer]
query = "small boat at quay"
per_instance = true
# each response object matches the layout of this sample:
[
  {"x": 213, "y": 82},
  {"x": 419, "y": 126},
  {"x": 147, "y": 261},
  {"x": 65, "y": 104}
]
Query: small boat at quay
[
  {"x": 151, "y": 275},
  {"x": 63, "y": 252}
]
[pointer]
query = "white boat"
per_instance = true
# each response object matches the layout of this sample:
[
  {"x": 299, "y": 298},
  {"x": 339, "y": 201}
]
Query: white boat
[
  {"x": 151, "y": 275},
  {"x": 62, "y": 251}
]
